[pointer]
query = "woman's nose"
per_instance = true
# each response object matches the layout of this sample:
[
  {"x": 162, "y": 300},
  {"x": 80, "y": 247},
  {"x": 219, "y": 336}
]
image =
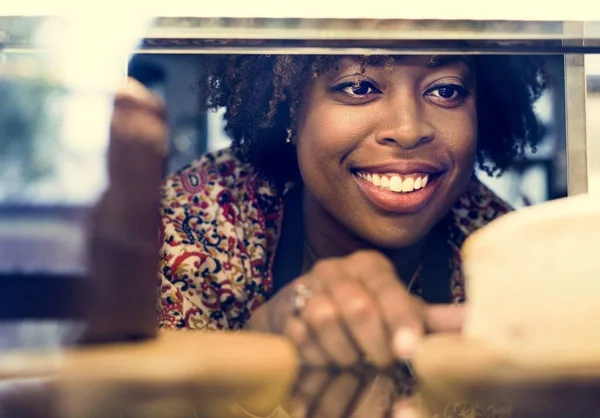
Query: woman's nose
[{"x": 405, "y": 124}]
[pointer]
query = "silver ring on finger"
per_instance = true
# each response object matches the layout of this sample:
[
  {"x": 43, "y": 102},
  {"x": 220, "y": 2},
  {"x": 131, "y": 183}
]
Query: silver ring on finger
[{"x": 300, "y": 296}]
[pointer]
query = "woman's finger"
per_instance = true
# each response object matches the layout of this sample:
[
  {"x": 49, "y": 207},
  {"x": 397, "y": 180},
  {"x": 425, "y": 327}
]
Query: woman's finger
[
  {"x": 400, "y": 312},
  {"x": 363, "y": 321},
  {"x": 444, "y": 318},
  {"x": 323, "y": 319},
  {"x": 133, "y": 93},
  {"x": 308, "y": 349},
  {"x": 138, "y": 140}
]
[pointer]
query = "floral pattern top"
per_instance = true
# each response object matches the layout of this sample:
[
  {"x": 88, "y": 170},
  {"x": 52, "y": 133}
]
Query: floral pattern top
[{"x": 221, "y": 221}]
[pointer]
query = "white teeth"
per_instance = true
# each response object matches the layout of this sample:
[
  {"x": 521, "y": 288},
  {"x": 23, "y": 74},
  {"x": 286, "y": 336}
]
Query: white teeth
[
  {"x": 376, "y": 180},
  {"x": 417, "y": 184},
  {"x": 385, "y": 182},
  {"x": 395, "y": 182},
  {"x": 407, "y": 184}
]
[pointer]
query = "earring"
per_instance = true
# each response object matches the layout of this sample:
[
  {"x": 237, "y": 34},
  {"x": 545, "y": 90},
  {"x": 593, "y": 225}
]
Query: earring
[{"x": 288, "y": 139}]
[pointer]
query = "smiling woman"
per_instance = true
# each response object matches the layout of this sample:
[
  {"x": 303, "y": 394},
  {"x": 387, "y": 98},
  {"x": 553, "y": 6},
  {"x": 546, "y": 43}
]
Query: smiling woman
[
  {"x": 373, "y": 160},
  {"x": 414, "y": 121}
]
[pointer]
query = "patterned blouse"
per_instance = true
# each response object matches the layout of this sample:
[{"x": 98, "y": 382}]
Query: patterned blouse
[{"x": 221, "y": 221}]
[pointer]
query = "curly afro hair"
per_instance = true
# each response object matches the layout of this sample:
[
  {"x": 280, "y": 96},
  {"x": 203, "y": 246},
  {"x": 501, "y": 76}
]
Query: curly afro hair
[{"x": 263, "y": 93}]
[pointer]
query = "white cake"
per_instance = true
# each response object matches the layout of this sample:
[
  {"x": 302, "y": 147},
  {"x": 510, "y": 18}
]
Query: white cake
[{"x": 533, "y": 282}]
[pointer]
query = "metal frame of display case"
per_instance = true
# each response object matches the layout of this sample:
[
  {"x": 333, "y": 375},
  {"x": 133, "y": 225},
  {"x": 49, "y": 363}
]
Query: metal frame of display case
[{"x": 572, "y": 39}]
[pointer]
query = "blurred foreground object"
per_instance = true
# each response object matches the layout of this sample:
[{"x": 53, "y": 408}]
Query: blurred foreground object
[
  {"x": 531, "y": 336},
  {"x": 123, "y": 240},
  {"x": 58, "y": 77},
  {"x": 177, "y": 375}
]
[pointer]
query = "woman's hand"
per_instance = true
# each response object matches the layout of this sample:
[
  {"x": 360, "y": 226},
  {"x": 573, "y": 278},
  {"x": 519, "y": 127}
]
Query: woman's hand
[
  {"x": 352, "y": 309},
  {"x": 138, "y": 141},
  {"x": 123, "y": 239}
]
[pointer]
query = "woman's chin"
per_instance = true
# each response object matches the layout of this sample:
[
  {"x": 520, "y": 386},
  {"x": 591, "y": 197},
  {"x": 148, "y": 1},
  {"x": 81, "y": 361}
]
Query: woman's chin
[{"x": 398, "y": 239}]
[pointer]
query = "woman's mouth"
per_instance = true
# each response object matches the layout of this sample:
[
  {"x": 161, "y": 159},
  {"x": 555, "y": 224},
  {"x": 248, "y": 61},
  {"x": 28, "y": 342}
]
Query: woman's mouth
[
  {"x": 395, "y": 182},
  {"x": 397, "y": 192}
]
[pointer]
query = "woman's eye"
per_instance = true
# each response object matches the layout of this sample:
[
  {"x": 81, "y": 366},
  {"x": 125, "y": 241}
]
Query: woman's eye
[
  {"x": 448, "y": 92},
  {"x": 361, "y": 88}
]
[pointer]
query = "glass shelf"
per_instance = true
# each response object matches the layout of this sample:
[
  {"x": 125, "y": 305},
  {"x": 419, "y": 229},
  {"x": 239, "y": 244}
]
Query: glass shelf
[{"x": 275, "y": 35}]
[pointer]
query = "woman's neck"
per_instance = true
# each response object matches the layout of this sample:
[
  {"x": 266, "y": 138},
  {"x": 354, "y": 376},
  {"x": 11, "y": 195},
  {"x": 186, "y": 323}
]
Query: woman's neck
[{"x": 325, "y": 237}]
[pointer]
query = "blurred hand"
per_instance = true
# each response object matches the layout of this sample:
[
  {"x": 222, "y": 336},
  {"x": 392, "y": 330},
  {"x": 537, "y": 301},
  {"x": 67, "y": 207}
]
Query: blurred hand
[
  {"x": 355, "y": 308},
  {"x": 138, "y": 141},
  {"x": 123, "y": 240}
]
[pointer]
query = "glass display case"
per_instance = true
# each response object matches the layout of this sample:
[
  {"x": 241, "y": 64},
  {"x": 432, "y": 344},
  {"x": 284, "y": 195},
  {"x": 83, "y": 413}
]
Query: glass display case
[{"x": 55, "y": 119}]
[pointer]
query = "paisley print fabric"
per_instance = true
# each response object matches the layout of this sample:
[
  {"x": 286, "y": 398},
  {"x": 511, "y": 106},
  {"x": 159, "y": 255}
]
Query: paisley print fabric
[{"x": 220, "y": 227}]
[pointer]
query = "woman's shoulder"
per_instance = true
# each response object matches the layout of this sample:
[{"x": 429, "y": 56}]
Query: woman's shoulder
[
  {"x": 218, "y": 176},
  {"x": 214, "y": 170},
  {"x": 218, "y": 231},
  {"x": 476, "y": 208}
]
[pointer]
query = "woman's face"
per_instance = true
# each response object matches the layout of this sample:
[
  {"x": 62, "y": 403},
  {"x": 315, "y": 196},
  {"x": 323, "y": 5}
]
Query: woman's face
[{"x": 387, "y": 152}]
